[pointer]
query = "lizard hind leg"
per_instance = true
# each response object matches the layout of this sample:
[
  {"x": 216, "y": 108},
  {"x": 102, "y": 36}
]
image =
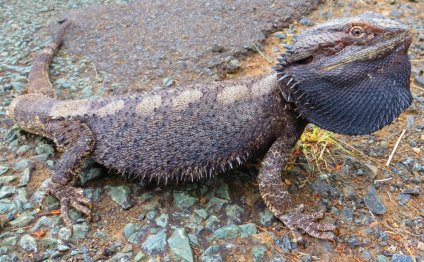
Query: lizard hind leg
[
  {"x": 278, "y": 199},
  {"x": 77, "y": 142}
]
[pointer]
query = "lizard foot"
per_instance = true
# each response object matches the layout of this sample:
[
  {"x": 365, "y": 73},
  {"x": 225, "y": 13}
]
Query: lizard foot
[
  {"x": 70, "y": 197},
  {"x": 296, "y": 220}
]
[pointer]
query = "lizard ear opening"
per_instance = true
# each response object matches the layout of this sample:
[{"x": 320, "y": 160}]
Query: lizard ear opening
[{"x": 357, "y": 98}]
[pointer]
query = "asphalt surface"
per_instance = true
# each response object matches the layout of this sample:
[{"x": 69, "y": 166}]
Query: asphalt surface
[{"x": 138, "y": 45}]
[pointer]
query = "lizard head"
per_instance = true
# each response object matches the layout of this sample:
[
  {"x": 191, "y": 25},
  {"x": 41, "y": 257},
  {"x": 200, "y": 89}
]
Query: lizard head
[{"x": 349, "y": 76}]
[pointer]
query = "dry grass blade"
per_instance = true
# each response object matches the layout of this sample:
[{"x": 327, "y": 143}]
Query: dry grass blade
[
  {"x": 263, "y": 55},
  {"x": 396, "y": 146}
]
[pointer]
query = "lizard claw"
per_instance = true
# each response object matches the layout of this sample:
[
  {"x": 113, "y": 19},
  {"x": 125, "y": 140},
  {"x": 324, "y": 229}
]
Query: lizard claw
[
  {"x": 70, "y": 197},
  {"x": 296, "y": 220}
]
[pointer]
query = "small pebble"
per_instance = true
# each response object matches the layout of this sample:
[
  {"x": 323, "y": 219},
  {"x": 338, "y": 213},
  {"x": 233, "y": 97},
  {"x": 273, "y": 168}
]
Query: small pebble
[
  {"x": 401, "y": 258},
  {"x": 183, "y": 200},
  {"x": 180, "y": 245},
  {"x": 155, "y": 243},
  {"x": 227, "y": 232},
  {"x": 280, "y": 35},
  {"x": 121, "y": 195},
  {"x": 373, "y": 202},
  {"x": 28, "y": 243},
  {"x": 258, "y": 253},
  {"x": 3, "y": 169},
  {"x": 306, "y": 21}
]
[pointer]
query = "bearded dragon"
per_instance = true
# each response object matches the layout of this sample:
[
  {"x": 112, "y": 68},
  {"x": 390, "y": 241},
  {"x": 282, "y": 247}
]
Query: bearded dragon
[{"x": 349, "y": 76}]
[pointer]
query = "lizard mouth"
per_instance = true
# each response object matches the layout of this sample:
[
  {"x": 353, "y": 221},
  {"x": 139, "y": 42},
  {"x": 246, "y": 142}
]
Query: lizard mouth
[{"x": 352, "y": 95}]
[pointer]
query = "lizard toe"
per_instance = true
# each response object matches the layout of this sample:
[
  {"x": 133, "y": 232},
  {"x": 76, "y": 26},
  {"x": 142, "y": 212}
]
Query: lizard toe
[
  {"x": 296, "y": 220},
  {"x": 70, "y": 197}
]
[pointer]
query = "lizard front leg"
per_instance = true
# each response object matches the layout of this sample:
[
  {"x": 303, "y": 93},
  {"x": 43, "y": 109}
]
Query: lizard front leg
[
  {"x": 278, "y": 199},
  {"x": 77, "y": 142}
]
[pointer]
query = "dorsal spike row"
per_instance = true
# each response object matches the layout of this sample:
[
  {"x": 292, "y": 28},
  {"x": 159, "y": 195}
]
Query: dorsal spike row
[
  {"x": 291, "y": 80},
  {"x": 283, "y": 77}
]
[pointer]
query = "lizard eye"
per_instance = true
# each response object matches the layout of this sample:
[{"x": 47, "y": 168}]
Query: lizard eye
[{"x": 356, "y": 32}]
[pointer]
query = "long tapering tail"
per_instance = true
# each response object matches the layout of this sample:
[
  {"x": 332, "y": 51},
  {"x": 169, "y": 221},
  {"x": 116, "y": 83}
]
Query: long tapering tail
[{"x": 38, "y": 80}]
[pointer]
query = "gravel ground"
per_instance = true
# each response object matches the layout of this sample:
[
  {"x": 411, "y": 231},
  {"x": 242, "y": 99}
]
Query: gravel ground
[{"x": 379, "y": 209}]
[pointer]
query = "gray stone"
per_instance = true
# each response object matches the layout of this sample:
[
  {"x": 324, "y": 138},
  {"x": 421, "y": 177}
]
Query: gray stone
[
  {"x": 183, "y": 200},
  {"x": 18, "y": 86},
  {"x": 350, "y": 193},
  {"x": 217, "y": 48},
  {"x": 87, "y": 176},
  {"x": 233, "y": 65},
  {"x": 365, "y": 255},
  {"x": 347, "y": 214},
  {"x": 248, "y": 230},
  {"x": 162, "y": 220},
  {"x": 3, "y": 169},
  {"x": 212, "y": 222},
  {"x": 23, "y": 220},
  {"x": 9, "y": 241},
  {"x": 410, "y": 122},
  {"x": 93, "y": 193},
  {"x": 180, "y": 246},
  {"x": 50, "y": 242},
  {"x": 62, "y": 248},
  {"x": 151, "y": 214},
  {"x": 80, "y": 231},
  {"x": 168, "y": 81},
  {"x": 227, "y": 232},
  {"x": 193, "y": 239},
  {"x": 155, "y": 242},
  {"x": 419, "y": 80},
  {"x": 353, "y": 242},
  {"x": 381, "y": 258},
  {"x": 280, "y": 35},
  {"x": 396, "y": 13},
  {"x": 21, "y": 164},
  {"x": 120, "y": 257},
  {"x": 120, "y": 195},
  {"x": 223, "y": 191},
  {"x": 44, "y": 149},
  {"x": 99, "y": 234},
  {"x": 234, "y": 213},
  {"x": 130, "y": 229},
  {"x": 25, "y": 177},
  {"x": 216, "y": 204},
  {"x": 373, "y": 202},
  {"x": 258, "y": 253},
  {"x": 211, "y": 254},
  {"x": 87, "y": 92},
  {"x": 324, "y": 189},
  {"x": 412, "y": 191},
  {"x": 201, "y": 213},
  {"x": 7, "y": 191},
  {"x": 7, "y": 179},
  {"x": 266, "y": 217},
  {"x": 23, "y": 149},
  {"x": 28, "y": 243},
  {"x": 306, "y": 21},
  {"x": 45, "y": 221},
  {"x": 6, "y": 206},
  {"x": 62, "y": 83},
  {"x": 140, "y": 256},
  {"x": 401, "y": 258},
  {"x": 403, "y": 199}
]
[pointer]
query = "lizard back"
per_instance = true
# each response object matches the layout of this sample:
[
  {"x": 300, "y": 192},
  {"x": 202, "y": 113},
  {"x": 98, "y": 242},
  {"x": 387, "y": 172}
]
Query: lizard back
[{"x": 186, "y": 133}]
